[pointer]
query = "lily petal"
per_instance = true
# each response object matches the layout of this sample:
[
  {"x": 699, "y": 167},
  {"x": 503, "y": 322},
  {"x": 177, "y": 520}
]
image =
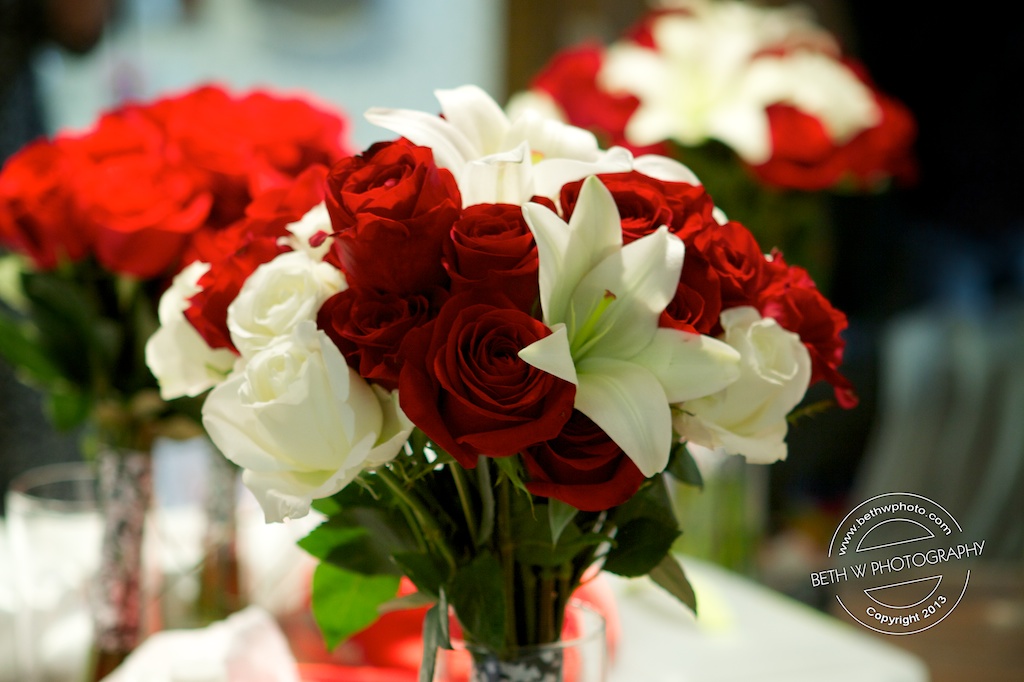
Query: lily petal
[
  {"x": 503, "y": 178},
  {"x": 690, "y": 365},
  {"x": 551, "y": 174},
  {"x": 664, "y": 168},
  {"x": 451, "y": 148},
  {"x": 551, "y": 354},
  {"x": 567, "y": 252},
  {"x": 476, "y": 116},
  {"x": 629, "y": 404},
  {"x": 643, "y": 277}
]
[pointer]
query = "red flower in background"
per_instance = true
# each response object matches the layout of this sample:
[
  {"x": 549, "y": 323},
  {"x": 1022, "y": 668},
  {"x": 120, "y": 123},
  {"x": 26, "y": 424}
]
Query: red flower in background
[
  {"x": 250, "y": 144},
  {"x": 805, "y": 157},
  {"x": 392, "y": 209},
  {"x": 38, "y": 206},
  {"x": 570, "y": 78}
]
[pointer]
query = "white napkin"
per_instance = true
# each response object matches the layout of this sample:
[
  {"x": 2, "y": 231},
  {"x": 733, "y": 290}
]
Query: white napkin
[{"x": 247, "y": 647}]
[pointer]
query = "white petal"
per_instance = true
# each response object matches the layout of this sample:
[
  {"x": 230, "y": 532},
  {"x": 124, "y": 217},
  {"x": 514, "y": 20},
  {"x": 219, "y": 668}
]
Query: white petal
[
  {"x": 551, "y": 138},
  {"x": 476, "y": 116},
  {"x": 551, "y": 174},
  {"x": 690, "y": 365},
  {"x": 504, "y": 178},
  {"x": 664, "y": 168},
  {"x": 451, "y": 148},
  {"x": 627, "y": 401},
  {"x": 643, "y": 277},
  {"x": 568, "y": 252},
  {"x": 551, "y": 354},
  {"x": 745, "y": 129}
]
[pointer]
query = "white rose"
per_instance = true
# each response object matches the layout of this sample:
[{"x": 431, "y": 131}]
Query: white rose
[
  {"x": 179, "y": 358},
  {"x": 748, "y": 417},
  {"x": 301, "y": 423},
  {"x": 317, "y": 220},
  {"x": 277, "y": 296}
]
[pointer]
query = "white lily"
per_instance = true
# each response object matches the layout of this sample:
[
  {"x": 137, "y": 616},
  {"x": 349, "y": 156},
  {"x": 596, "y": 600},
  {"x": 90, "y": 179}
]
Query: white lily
[
  {"x": 710, "y": 78},
  {"x": 495, "y": 158},
  {"x": 602, "y": 301}
]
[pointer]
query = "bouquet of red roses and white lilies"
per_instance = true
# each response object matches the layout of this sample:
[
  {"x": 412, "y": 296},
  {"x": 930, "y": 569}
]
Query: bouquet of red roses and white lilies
[{"x": 478, "y": 350}]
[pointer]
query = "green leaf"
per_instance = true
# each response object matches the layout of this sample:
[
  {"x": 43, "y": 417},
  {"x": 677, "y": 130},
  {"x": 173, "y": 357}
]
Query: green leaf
[
  {"x": 670, "y": 576},
  {"x": 560, "y": 515},
  {"x": 511, "y": 468},
  {"x": 639, "y": 547},
  {"x": 327, "y": 506},
  {"x": 416, "y": 600},
  {"x": 345, "y": 602},
  {"x": 651, "y": 501},
  {"x": 435, "y": 636},
  {"x": 647, "y": 527},
  {"x": 531, "y": 536},
  {"x": 328, "y": 536},
  {"x": 683, "y": 467},
  {"x": 22, "y": 350},
  {"x": 426, "y": 571},
  {"x": 70, "y": 327},
  {"x": 67, "y": 407},
  {"x": 477, "y": 594},
  {"x": 361, "y": 540}
]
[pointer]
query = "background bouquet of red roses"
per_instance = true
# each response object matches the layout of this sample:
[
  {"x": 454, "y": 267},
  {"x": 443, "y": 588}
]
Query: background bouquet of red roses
[
  {"x": 479, "y": 350},
  {"x": 761, "y": 102},
  {"x": 97, "y": 223}
]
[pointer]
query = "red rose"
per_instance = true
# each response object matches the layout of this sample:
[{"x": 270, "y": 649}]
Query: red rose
[
  {"x": 697, "y": 304},
  {"x": 368, "y": 326},
  {"x": 143, "y": 213},
  {"x": 465, "y": 386},
  {"x": 491, "y": 244},
  {"x": 248, "y": 145},
  {"x": 38, "y": 213},
  {"x": 734, "y": 255},
  {"x": 582, "y": 466},
  {"x": 645, "y": 204},
  {"x": 289, "y": 135},
  {"x": 797, "y": 304},
  {"x": 234, "y": 253},
  {"x": 803, "y": 154},
  {"x": 886, "y": 150},
  {"x": 805, "y": 157},
  {"x": 392, "y": 209}
]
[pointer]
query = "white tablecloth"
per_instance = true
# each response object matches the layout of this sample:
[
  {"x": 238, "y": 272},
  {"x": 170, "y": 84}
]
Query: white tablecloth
[{"x": 745, "y": 633}]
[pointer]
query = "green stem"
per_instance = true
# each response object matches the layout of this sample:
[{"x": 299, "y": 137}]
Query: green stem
[
  {"x": 528, "y": 601},
  {"x": 547, "y": 604},
  {"x": 506, "y": 551},
  {"x": 459, "y": 476},
  {"x": 428, "y": 525}
]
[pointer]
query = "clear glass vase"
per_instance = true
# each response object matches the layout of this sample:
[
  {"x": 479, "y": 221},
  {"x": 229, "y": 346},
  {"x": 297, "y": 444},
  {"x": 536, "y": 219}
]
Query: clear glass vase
[
  {"x": 125, "y": 491},
  {"x": 581, "y": 655},
  {"x": 55, "y": 529}
]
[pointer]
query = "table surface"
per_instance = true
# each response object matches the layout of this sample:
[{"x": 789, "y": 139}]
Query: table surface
[{"x": 745, "y": 632}]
